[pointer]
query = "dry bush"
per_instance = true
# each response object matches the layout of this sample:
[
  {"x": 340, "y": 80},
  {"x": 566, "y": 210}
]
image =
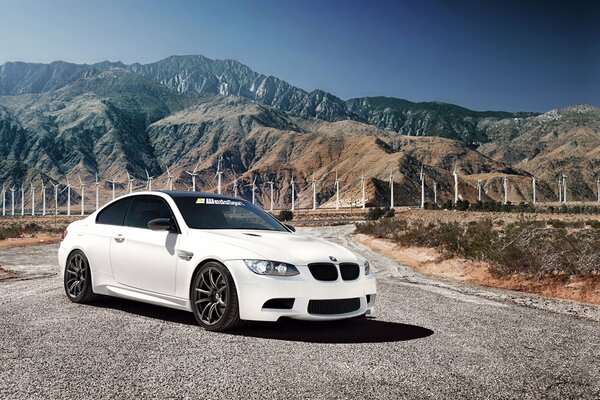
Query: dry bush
[{"x": 522, "y": 247}]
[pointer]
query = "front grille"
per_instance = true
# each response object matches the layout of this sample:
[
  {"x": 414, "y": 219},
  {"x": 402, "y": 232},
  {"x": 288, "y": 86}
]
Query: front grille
[
  {"x": 323, "y": 271},
  {"x": 349, "y": 271},
  {"x": 337, "y": 306}
]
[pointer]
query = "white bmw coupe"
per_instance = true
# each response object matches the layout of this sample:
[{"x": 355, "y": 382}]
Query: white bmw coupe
[{"x": 219, "y": 257}]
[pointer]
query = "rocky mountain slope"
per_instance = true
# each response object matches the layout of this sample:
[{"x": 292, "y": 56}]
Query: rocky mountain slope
[
  {"x": 63, "y": 119},
  {"x": 198, "y": 74}
]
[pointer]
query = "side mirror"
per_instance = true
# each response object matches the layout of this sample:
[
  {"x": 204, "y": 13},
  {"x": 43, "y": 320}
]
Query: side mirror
[
  {"x": 290, "y": 227},
  {"x": 161, "y": 224}
]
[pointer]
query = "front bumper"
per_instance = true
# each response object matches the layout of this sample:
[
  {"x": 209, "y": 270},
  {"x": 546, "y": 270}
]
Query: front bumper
[{"x": 255, "y": 290}]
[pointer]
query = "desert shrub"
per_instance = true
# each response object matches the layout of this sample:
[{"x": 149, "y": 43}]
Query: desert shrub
[
  {"x": 388, "y": 212},
  {"x": 375, "y": 213},
  {"x": 285, "y": 215},
  {"x": 530, "y": 247}
]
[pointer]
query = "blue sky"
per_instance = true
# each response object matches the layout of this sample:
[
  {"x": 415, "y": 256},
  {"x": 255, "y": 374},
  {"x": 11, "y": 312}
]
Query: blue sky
[{"x": 506, "y": 55}]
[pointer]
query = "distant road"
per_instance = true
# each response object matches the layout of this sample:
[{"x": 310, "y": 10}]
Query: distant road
[{"x": 429, "y": 339}]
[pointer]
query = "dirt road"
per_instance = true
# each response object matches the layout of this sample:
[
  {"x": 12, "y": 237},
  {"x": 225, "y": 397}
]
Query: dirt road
[{"x": 429, "y": 339}]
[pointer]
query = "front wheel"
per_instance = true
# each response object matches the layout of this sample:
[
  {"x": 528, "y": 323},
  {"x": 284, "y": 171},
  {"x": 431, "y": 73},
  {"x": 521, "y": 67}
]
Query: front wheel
[
  {"x": 214, "y": 298},
  {"x": 78, "y": 278}
]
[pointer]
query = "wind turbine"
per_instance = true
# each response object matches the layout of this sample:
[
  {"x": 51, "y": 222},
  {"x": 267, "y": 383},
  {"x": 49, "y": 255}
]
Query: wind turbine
[
  {"x": 565, "y": 198},
  {"x": 479, "y": 190},
  {"x": 391, "y": 190},
  {"x": 271, "y": 183},
  {"x": 455, "y": 186},
  {"x": 12, "y": 192},
  {"x": 129, "y": 182},
  {"x": 362, "y": 187},
  {"x": 219, "y": 174},
  {"x": 505, "y": 186},
  {"x": 293, "y": 184},
  {"x": 422, "y": 176},
  {"x": 114, "y": 180},
  {"x": 598, "y": 187},
  {"x": 314, "y": 188},
  {"x": 434, "y": 192},
  {"x": 533, "y": 199},
  {"x": 148, "y": 181},
  {"x": 43, "y": 198},
  {"x": 337, "y": 191},
  {"x": 560, "y": 191},
  {"x": 3, "y": 200},
  {"x": 193, "y": 174},
  {"x": 32, "y": 199},
  {"x": 97, "y": 184},
  {"x": 169, "y": 179},
  {"x": 68, "y": 189},
  {"x": 82, "y": 186},
  {"x": 253, "y": 185},
  {"x": 22, "y": 200},
  {"x": 235, "y": 186},
  {"x": 56, "y": 185}
]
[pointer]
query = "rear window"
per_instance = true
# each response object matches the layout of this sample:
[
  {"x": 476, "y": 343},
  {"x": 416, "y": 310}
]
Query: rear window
[{"x": 114, "y": 214}]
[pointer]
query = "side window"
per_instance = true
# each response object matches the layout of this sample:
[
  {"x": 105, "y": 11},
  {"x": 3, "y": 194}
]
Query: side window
[
  {"x": 115, "y": 213},
  {"x": 144, "y": 209}
]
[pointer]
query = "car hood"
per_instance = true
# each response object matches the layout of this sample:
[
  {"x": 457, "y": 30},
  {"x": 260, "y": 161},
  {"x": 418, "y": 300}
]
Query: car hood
[{"x": 279, "y": 246}]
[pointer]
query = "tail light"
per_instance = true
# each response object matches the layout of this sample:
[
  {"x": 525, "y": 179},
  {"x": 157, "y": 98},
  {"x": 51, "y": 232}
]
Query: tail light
[{"x": 64, "y": 235}]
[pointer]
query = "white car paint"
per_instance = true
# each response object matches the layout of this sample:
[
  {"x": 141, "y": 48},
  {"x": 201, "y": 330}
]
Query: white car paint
[{"x": 151, "y": 266}]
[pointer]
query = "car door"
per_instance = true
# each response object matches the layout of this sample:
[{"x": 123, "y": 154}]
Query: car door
[
  {"x": 99, "y": 235},
  {"x": 143, "y": 258}
]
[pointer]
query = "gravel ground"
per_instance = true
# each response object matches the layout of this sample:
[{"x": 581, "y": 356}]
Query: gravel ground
[{"x": 428, "y": 339}]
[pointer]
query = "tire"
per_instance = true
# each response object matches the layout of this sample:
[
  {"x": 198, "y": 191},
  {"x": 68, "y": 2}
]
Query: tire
[
  {"x": 214, "y": 298},
  {"x": 78, "y": 279}
]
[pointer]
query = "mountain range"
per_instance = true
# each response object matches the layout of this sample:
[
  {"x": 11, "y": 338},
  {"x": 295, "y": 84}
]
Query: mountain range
[{"x": 62, "y": 119}]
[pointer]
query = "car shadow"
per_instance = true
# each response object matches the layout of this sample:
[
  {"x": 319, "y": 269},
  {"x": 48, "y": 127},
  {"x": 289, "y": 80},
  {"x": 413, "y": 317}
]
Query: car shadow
[{"x": 356, "y": 330}]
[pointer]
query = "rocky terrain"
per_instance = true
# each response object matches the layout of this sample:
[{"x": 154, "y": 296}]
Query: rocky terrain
[{"x": 61, "y": 119}]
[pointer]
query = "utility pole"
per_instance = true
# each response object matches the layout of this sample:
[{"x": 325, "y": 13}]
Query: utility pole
[{"x": 479, "y": 190}]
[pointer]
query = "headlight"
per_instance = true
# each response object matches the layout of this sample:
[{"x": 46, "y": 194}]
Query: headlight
[
  {"x": 367, "y": 267},
  {"x": 274, "y": 268}
]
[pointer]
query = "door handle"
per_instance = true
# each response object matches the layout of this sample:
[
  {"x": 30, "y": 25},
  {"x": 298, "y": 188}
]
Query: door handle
[{"x": 119, "y": 239}]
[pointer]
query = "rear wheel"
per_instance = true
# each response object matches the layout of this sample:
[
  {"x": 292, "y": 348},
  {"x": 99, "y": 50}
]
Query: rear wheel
[
  {"x": 78, "y": 278},
  {"x": 214, "y": 298}
]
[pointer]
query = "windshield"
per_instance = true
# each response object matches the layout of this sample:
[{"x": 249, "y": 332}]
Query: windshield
[{"x": 210, "y": 213}]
